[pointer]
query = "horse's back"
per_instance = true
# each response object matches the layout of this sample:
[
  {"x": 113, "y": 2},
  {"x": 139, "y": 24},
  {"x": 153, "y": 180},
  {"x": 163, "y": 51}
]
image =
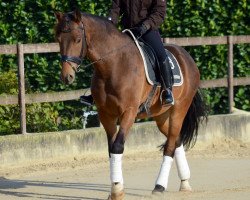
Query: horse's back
[
  {"x": 186, "y": 62},
  {"x": 178, "y": 50}
]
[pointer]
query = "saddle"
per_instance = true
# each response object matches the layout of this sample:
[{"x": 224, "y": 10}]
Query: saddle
[
  {"x": 152, "y": 72},
  {"x": 151, "y": 63}
]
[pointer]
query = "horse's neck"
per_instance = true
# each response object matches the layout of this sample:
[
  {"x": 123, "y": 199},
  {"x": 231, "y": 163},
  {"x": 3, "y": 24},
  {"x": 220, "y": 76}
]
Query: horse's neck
[{"x": 103, "y": 42}]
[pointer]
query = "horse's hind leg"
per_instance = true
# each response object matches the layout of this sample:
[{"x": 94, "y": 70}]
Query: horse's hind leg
[
  {"x": 170, "y": 125},
  {"x": 162, "y": 122},
  {"x": 182, "y": 168}
]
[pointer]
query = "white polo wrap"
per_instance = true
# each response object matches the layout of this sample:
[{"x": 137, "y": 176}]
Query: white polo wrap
[
  {"x": 181, "y": 163},
  {"x": 116, "y": 168},
  {"x": 164, "y": 171}
]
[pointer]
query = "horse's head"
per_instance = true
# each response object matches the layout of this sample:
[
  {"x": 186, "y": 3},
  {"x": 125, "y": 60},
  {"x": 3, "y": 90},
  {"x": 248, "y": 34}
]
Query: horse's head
[{"x": 71, "y": 37}]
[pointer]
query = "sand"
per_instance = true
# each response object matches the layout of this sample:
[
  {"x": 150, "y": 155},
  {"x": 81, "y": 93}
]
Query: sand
[{"x": 219, "y": 170}]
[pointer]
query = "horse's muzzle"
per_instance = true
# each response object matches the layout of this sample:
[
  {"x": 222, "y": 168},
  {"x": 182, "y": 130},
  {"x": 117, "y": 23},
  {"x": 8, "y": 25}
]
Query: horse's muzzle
[
  {"x": 67, "y": 73},
  {"x": 69, "y": 79}
]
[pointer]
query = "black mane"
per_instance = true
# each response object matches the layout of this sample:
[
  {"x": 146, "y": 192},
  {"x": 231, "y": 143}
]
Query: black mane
[{"x": 103, "y": 21}]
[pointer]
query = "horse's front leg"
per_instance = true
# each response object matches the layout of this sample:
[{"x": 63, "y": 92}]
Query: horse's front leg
[
  {"x": 116, "y": 143},
  {"x": 116, "y": 148}
]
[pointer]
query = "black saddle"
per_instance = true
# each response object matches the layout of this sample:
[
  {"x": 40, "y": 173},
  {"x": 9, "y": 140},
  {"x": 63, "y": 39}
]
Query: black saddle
[
  {"x": 152, "y": 68},
  {"x": 151, "y": 62},
  {"x": 153, "y": 73}
]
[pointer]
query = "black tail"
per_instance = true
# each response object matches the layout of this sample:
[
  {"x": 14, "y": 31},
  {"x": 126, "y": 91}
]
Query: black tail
[{"x": 197, "y": 113}]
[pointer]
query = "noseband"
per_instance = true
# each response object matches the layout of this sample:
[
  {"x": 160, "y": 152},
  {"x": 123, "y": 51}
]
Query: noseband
[{"x": 74, "y": 59}]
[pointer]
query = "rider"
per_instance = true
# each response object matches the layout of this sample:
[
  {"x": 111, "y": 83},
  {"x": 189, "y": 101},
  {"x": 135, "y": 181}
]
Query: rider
[{"x": 144, "y": 18}]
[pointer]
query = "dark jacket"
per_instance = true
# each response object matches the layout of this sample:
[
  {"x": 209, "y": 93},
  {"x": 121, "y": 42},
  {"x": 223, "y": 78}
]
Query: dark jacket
[{"x": 135, "y": 12}]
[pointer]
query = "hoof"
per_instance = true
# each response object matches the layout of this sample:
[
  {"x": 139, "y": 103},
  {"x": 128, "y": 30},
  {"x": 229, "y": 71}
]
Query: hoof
[
  {"x": 114, "y": 196},
  {"x": 185, "y": 186},
  {"x": 158, "y": 190},
  {"x": 117, "y": 192}
]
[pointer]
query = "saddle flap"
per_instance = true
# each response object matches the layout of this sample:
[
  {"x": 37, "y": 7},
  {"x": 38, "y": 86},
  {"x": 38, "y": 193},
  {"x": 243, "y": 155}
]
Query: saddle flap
[
  {"x": 151, "y": 63},
  {"x": 148, "y": 53}
]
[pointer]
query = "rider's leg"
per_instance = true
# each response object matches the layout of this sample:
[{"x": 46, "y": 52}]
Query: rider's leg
[
  {"x": 153, "y": 38},
  {"x": 167, "y": 77}
]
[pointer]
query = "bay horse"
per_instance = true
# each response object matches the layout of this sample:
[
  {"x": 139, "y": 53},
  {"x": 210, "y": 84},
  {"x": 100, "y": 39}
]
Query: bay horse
[{"x": 119, "y": 87}]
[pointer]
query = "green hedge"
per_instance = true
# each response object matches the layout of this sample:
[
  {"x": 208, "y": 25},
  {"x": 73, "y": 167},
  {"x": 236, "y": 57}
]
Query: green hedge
[{"x": 29, "y": 21}]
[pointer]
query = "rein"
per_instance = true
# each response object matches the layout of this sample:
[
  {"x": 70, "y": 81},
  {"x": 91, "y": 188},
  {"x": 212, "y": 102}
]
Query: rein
[{"x": 103, "y": 57}]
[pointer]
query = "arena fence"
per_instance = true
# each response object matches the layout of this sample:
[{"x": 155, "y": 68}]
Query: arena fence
[{"x": 21, "y": 49}]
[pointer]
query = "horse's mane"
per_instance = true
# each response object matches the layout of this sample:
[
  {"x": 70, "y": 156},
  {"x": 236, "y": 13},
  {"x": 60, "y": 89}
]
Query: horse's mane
[{"x": 102, "y": 21}]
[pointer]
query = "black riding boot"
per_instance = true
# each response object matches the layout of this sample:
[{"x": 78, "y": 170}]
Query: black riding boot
[
  {"x": 87, "y": 100},
  {"x": 167, "y": 76}
]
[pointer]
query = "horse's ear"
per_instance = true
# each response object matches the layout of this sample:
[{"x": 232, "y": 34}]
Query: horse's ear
[
  {"x": 58, "y": 15},
  {"x": 77, "y": 15}
]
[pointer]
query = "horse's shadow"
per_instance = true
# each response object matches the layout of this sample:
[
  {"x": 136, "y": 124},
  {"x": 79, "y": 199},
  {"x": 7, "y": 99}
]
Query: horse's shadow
[{"x": 9, "y": 188}]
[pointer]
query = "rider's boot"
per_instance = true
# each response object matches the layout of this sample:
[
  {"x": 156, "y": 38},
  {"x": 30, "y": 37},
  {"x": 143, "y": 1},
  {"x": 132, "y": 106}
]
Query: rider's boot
[
  {"x": 87, "y": 100},
  {"x": 167, "y": 97}
]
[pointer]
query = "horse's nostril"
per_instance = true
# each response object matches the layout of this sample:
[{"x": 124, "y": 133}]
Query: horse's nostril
[{"x": 70, "y": 78}]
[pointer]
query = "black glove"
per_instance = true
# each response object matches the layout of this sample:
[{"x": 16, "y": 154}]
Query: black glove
[{"x": 140, "y": 30}]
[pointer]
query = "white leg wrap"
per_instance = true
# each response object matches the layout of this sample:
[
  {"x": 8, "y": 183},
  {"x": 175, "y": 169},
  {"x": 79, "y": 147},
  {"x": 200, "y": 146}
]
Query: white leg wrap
[
  {"x": 181, "y": 163},
  {"x": 164, "y": 171},
  {"x": 116, "y": 168}
]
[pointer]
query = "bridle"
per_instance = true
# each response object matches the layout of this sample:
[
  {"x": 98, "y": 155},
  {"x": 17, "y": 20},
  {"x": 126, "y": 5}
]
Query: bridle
[
  {"x": 73, "y": 59},
  {"x": 78, "y": 60}
]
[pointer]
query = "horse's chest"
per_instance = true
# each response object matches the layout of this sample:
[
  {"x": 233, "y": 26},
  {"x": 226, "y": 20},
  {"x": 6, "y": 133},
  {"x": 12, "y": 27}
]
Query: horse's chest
[{"x": 104, "y": 92}]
